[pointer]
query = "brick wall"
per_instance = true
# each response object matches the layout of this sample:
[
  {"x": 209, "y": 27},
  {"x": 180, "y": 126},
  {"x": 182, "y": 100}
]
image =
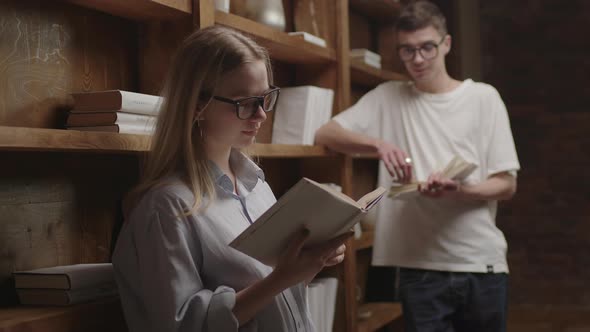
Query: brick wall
[{"x": 537, "y": 54}]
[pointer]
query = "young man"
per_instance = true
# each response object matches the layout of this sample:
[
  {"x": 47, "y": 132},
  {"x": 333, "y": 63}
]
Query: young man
[{"x": 452, "y": 257}]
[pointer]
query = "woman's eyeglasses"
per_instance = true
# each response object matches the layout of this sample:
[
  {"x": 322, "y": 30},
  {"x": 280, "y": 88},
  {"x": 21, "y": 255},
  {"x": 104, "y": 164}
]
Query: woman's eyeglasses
[{"x": 248, "y": 106}]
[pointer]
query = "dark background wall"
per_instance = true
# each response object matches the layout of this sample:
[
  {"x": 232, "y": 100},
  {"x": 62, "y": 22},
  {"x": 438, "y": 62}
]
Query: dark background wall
[{"x": 537, "y": 54}]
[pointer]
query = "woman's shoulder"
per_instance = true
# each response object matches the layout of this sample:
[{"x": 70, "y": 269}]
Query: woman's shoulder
[{"x": 171, "y": 195}]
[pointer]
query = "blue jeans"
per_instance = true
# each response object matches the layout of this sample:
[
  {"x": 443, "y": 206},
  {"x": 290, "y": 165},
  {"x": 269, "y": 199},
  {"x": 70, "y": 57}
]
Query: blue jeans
[{"x": 435, "y": 301}]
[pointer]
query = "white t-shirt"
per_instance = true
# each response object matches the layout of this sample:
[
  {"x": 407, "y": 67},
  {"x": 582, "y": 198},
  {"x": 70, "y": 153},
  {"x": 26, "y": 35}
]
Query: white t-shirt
[{"x": 438, "y": 234}]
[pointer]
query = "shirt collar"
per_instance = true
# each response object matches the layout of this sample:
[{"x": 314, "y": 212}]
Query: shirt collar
[{"x": 247, "y": 172}]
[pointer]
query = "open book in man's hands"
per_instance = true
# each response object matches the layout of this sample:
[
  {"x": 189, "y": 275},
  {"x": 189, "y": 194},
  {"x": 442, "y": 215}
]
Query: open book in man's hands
[
  {"x": 457, "y": 169},
  {"x": 326, "y": 212}
]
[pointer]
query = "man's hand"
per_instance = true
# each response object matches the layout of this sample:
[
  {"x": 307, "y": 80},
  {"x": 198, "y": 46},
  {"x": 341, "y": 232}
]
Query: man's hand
[
  {"x": 438, "y": 186},
  {"x": 397, "y": 162}
]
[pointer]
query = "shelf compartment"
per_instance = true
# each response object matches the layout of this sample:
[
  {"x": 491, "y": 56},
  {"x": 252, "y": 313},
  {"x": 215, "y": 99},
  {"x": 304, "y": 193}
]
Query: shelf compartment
[
  {"x": 363, "y": 74},
  {"x": 140, "y": 9},
  {"x": 382, "y": 313},
  {"x": 280, "y": 45},
  {"x": 104, "y": 315}
]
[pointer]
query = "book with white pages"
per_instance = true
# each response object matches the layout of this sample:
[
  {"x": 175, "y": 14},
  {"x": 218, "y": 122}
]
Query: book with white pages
[{"x": 457, "y": 169}]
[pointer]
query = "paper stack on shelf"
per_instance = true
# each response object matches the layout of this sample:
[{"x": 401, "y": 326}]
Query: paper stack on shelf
[
  {"x": 370, "y": 58},
  {"x": 300, "y": 112},
  {"x": 321, "y": 300},
  {"x": 308, "y": 37},
  {"x": 114, "y": 111}
]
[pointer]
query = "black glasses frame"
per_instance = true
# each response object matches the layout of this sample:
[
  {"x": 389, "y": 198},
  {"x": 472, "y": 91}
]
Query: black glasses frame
[
  {"x": 259, "y": 99},
  {"x": 418, "y": 49}
]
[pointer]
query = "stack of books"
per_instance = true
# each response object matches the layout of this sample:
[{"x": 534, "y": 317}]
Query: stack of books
[
  {"x": 367, "y": 57},
  {"x": 114, "y": 111},
  {"x": 301, "y": 111},
  {"x": 65, "y": 285}
]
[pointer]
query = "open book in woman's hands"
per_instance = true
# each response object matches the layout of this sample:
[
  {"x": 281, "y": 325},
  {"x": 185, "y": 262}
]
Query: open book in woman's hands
[
  {"x": 457, "y": 169},
  {"x": 325, "y": 212}
]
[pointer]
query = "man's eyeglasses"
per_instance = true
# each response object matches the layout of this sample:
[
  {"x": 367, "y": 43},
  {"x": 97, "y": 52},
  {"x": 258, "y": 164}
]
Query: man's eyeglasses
[
  {"x": 428, "y": 51},
  {"x": 248, "y": 106}
]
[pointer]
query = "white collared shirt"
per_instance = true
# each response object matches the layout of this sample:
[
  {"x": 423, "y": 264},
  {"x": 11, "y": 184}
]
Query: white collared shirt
[{"x": 177, "y": 273}]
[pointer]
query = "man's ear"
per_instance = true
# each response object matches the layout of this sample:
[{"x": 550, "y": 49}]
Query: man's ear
[{"x": 448, "y": 43}]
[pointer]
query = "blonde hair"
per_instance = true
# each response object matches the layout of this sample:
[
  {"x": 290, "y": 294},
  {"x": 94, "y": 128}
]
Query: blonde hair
[{"x": 177, "y": 145}]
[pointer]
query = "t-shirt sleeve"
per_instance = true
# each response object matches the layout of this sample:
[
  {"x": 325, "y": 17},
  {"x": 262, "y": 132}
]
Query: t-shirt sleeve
[
  {"x": 174, "y": 295},
  {"x": 501, "y": 151},
  {"x": 362, "y": 117}
]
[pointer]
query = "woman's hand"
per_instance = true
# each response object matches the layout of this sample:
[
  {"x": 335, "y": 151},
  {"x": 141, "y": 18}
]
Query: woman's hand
[{"x": 297, "y": 264}]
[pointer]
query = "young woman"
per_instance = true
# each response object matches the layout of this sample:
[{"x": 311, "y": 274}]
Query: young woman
[{"x": 173, "y": 265}]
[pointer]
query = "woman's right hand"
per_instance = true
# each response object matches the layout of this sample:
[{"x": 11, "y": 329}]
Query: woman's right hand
[{"x": 297, "y": 264}]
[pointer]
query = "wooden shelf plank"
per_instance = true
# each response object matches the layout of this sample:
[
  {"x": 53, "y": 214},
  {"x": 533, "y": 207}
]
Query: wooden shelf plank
[
  {"x": 363, "y": 74},
  {"x": 289, "y": 151},
  {"x": 280, "y": 45},
  {"x": 365, "y": 241},
  {"x": 382, "y": 313},
  {"x": 103, "y": 315},
  {"x": 40, "y": 139},
  {"x": 140, "y": 9},
  {"x": 384, "y": 11}
]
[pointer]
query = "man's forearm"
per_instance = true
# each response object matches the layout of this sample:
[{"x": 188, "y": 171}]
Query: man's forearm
[
  {"x": 498, "y": 187},
  {"x": 343, "y": 140}
]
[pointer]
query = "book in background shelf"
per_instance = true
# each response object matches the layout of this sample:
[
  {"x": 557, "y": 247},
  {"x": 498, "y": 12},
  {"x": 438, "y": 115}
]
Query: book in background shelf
[
  {"x": 65, "y": 285},
  {"x": 300, "y": 112},
  {"x": 368, "y": 57},
  {"x": 308, "y": 37},
  {"x": 457, "y": 169},
  {"x": 326, "y": 213},
  {"x": 108, "y": 119},
  {"x": 137, "y": 129},
  {"x": 116, "y": 101}
]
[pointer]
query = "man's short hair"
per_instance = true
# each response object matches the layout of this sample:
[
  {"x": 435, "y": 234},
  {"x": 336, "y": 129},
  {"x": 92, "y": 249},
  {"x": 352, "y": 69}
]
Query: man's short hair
[{"x": 421, "y": 14}]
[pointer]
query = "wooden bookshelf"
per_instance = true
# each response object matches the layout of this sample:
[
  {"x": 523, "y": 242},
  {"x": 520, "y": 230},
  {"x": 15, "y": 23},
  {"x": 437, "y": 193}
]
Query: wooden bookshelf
[
  {"x": 365, "y": 241},
  {"x": 104, "y": 315},
  {"x": 280, "y": 45},
  {"x": 363, "y": 74},
  {"x": 140, "y": 9},
  {"x": 382, "y": 313},
  {"x": 380, "y": 10}
]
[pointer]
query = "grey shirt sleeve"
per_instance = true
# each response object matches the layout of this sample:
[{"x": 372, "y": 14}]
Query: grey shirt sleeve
[{"x": 169, "y": 261}]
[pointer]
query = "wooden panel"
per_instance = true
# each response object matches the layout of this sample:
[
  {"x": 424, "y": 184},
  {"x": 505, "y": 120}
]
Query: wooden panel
[
  {"x": 50, "y": 49},
  {"x": 363, "y": 74},
  {"x": 32, "y": 139},
  {"x": 158, "y": 42},
  {"x": 359, "y": 31},
  {"x": 105, "y": 315},
  {"x": 140, "y": 9},
  {"x": 280, "y": 45},
  {"x": 364, "y": 178},
  {"x": 62, "y": 212},
  {"x": 381, "y": 315},
  {"x": 379, "y": 10},
  {"x": 387, "y": 48}
]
